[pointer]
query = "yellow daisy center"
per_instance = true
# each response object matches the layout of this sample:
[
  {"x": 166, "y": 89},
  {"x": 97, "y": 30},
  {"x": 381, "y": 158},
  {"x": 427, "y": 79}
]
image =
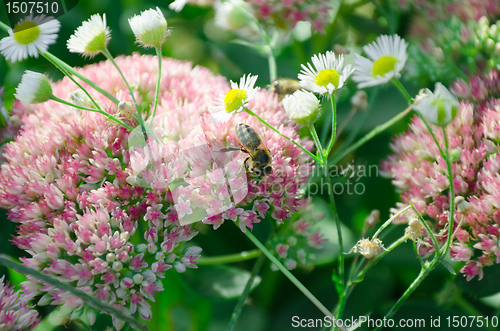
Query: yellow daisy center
[
  {"x": 383, "y": 65},
  {"x": 26, "y": 33},
  {"x": 327, "y": 76},
  {"x": 235, "y": 99}
]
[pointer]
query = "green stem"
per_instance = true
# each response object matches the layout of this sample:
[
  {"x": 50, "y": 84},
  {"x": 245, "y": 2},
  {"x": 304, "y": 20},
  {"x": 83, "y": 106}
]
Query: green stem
[
  {"x": 131, "y": 92},
  {"x": 441, "y": 151},
  {"x": 231, "y": 258},
  {"x": 111, "y": 117},
  {"x": 4, "y": 27},
  {"x": 433, "y": 238},
  {"x": 48, "y": 280},
  {"x": 352, "y": 282},
  {"x": 452, "y": 195},
  {"x": 424, "y": 272},
  {"x": 377, "y": 130},
  {"x": 138, "y": 114},
  {"x": 389, "y": 221},
  {"x": 72, "y": 71},
  {"x": 334, "y": 127},
  {"x": 341, "y": 268},
  {"x": 320, "y": 151},
  {"x": 66, "y": 73},
  {"x": 158, "y": 54},
  {"x": 288, "y": 274},
  {"x": 403, "y": 90},
  {"x": 273, "y": 71},
  {"x": 348, "y": 119},
  {"x": 272, "y": 128},
  {"x": 248, "y": 287}
]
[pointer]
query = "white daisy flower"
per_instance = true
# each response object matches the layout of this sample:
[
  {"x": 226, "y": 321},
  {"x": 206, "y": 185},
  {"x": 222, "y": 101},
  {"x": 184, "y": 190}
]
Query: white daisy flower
[
  {"x": 235, "y": 100},
  {"x": 302, "y": 107},
  {"x": 91, "y": 37},
  {"x": 439, "y": 107},
  {"x": 328, "y": 74},
  {"x": 387, "y": 58},
  {"x": 177, "y": 5},
  {"x": 34, "y": 88},
  {"x": 150, "y": 28},
  {"x": 29, "y": 37}
]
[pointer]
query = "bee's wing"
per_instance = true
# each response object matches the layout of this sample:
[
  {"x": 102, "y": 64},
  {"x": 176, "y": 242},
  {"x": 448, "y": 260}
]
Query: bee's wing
[{"x": 229, "y": 149}]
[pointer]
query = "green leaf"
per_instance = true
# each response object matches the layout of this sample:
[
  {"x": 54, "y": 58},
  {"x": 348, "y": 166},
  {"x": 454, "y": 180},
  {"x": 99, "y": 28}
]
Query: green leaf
[
  {"x": 449, "y": 267},
  {"x": 330, "y": 250},
  {"x": 338, "y": 285},
  {"x": 218, "y": 283}
]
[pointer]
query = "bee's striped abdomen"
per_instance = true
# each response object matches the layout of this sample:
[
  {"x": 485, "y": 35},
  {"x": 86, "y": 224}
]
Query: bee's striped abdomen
[{"x": 248, "y": 137}]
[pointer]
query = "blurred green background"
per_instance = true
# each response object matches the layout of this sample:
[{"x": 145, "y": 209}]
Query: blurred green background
[{"x": 186, "y": 304}]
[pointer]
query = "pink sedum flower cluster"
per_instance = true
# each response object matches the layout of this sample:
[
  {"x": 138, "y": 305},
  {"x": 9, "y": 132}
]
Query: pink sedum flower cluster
[
  {"x": 464, "y": 9},
  {"x": 286, "y": 14},
  {"x": 419, "y": 172},
  {"x": 15, "y": 312},
  {"x": 102, "y": 211}
]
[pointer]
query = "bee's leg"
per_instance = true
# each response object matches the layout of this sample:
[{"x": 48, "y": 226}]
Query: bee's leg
[{"x": 245, "y": 163}]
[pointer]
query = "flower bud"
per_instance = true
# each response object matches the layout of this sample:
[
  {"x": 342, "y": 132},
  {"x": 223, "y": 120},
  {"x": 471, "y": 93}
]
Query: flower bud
[
  {"x": 34, "y": 88},
  {"x": 360, "y": 100},
  {"x": 439, "y": 107},
  {"x": 150, "y": 28},
  {"x": 302, "y": 107},
  {"x": 232, "y": 15},
  {"x": 372, "y": 219}
]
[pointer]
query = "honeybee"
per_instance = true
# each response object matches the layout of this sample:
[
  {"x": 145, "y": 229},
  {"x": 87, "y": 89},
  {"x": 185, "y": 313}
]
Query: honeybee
[
  {"x": 259, "y": 158},
  {"x": 283, "y": 86}
]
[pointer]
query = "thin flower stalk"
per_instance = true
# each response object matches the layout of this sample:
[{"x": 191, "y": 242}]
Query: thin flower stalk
[
  {"x": 66, "y": 73},
  {"x": 370, "y": 135},
  {"x": 352, "y": 281},
  {"x": 334, "y": 127},
  {"x": 424, "y": 223},
  {"x": 289, "y": 275},
  {"x": 319, "y": 148},
  {"x": 158, "y": 54},
  {"x": 100, "y": 111},
  {"x": 314, "y": 157},
  {"x": 341, "y": 267},
  {"x": 243, "y": 297},
  {"x": 138, "y": 115},
  {"x": 230, "y": 258},
  {"x": 72, "y": 71}
]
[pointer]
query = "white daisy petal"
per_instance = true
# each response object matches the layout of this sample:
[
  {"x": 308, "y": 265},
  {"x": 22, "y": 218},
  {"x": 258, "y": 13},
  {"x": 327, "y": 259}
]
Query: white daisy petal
[
  {"x": 439, "y": 107},
  {"x": 387, "y": 57},
  {"x": 302, "y": 107},
  {"x": 150, "y": 28},
  {"x": 34, "y": 88},
  {"x": 235, "y": 100},
  {"x": 91, "y": 37},
  {"x": 328, "y": 74},
  {"x": 29, "y": 37}
]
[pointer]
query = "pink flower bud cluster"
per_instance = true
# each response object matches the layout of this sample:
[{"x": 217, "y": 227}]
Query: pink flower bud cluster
[
  {"x": 464, "y": 9},
  {"x": 15, "y": 312},
  {"x": 286, "y": 14},
  {"x": 102, "y": 212},
  {"x": 420, "y": 173},
  {"x": 294, "y": 239}
]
